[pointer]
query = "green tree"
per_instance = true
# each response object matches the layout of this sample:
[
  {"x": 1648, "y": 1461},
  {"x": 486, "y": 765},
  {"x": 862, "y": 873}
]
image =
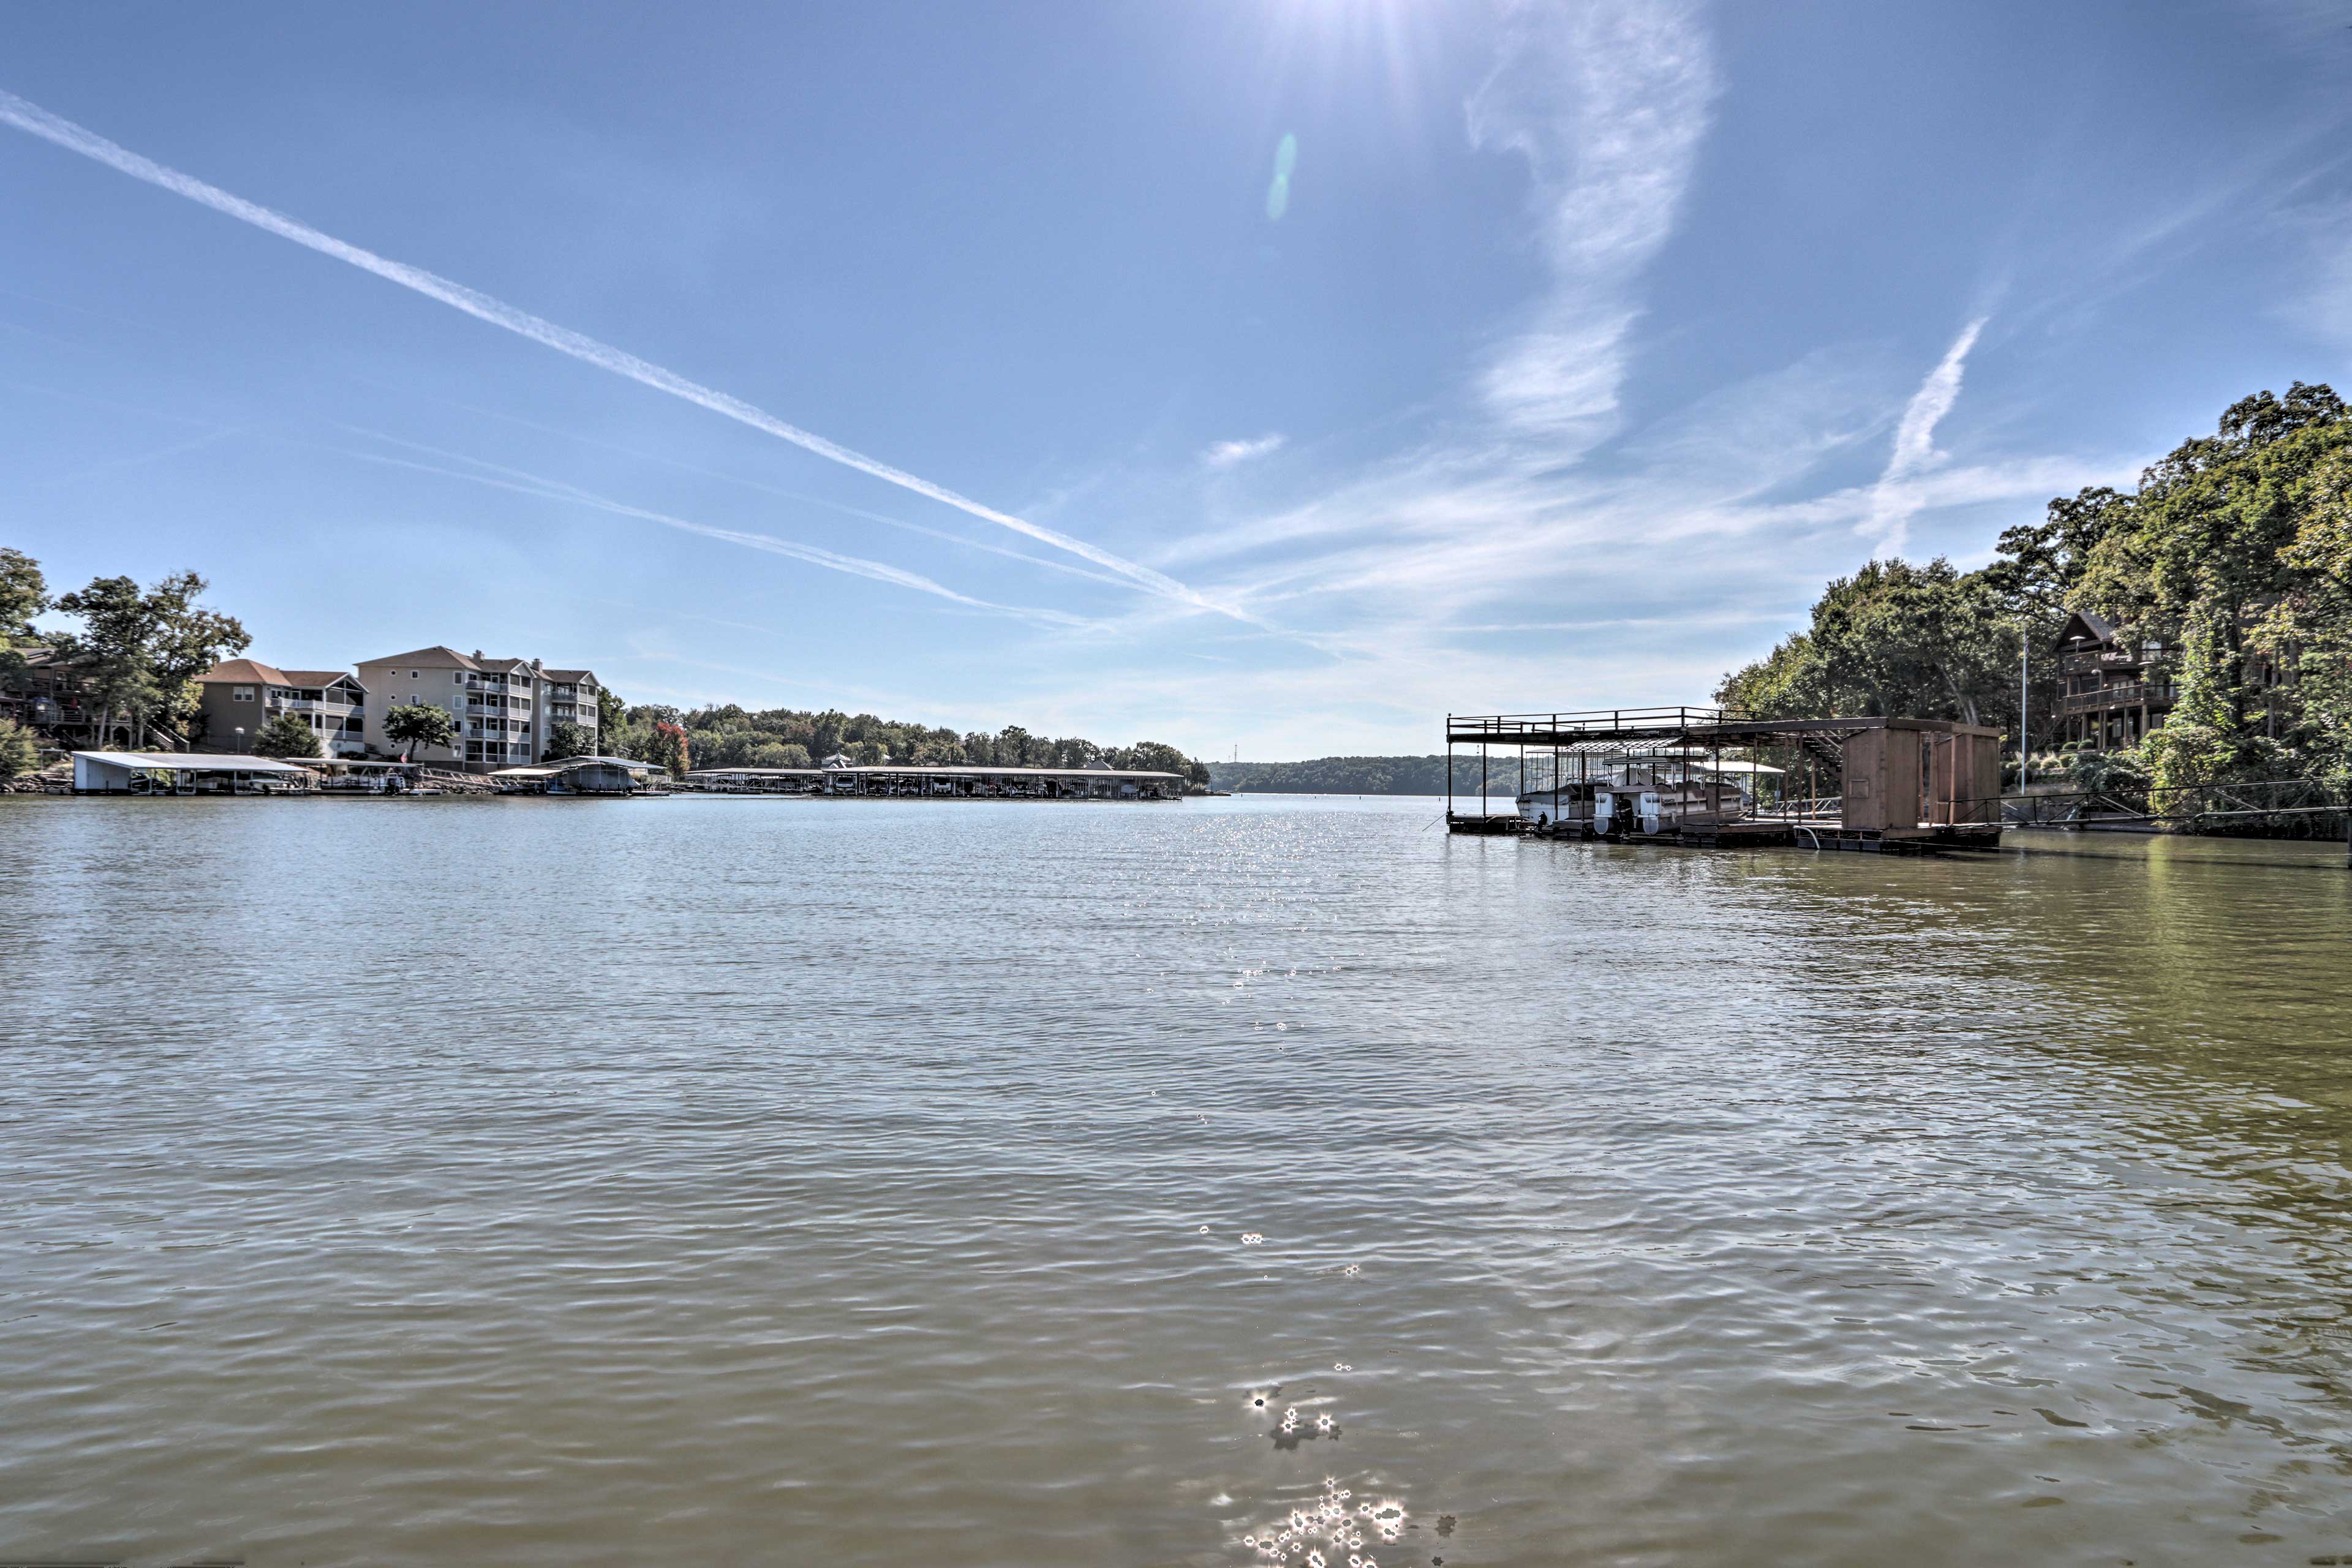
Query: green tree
[
  {"x": 1153, "y": 756},
  {"x": 2323, "y": 538},
  {"x": 2234, "y": 551},
  {"x": 110, "y": 653},
  {"x": 23, "y": 594},
  {"x": 566, "y": 739},
  {"x": 827, "y": 730},
  {"x": 2121, "y": 775},
  {"x": 611, "y": 712},
  {"x": 139, "y": 653},
  {"x": 185, "y": 639},
  {"x": 19, "y": 754},
  {"x": 2194, "y": 745},
  {"x": 1893, "y": 640},
  {"x": 413, "y": 726},
  {"x": 2225, "y": 553},
  {"x": 288, "y": 735}
]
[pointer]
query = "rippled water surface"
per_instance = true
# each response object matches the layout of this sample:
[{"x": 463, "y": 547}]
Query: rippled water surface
[{"x": 721, "y": 1180}]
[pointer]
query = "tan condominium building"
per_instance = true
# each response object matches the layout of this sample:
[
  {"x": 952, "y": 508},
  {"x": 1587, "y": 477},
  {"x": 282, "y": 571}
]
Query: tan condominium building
[
  {"x": 241, "y": 695},
  {"x": 504, "y": 708}
]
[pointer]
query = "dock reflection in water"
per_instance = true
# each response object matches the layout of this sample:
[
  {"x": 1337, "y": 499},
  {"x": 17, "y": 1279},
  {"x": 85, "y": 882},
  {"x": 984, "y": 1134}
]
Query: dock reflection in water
[{"x": 741, "y": 1179}]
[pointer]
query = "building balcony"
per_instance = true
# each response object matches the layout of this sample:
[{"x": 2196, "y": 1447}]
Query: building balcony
[
  {"x": 2108, "y": 659},
  {"x": 2123, "y": 694}
]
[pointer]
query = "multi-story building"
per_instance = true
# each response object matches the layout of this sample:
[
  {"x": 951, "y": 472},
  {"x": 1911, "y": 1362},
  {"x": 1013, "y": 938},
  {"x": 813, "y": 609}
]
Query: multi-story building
[
  {"x": 2111, "y": 693},
  {"x": 51, "y": 695},
  {"x": 503, "y": 708},
  {"x": 241, "y": 695},
  {"x": 569, "y": 696}
]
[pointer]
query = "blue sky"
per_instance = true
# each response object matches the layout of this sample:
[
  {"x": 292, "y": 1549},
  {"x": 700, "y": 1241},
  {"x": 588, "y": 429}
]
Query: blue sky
[{"x": 971, "y": 365}]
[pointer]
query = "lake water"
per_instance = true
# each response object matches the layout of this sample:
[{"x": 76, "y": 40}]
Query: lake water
[{"x": 729, "y": 1180}]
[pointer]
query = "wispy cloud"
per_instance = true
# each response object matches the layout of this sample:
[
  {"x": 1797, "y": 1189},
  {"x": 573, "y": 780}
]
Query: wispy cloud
[
  {"x": 2326, "y": 234},
  {"x": 1230, "y": 453},
  {"x": 138, "y": 459},
  {"x": 33, "y": 119},
  {"x": 1608, "y": 103},
  {"x": 522, "y": 482},
  {"x": 800, "y": 496},
  {"x": 1896, "y": 501}
]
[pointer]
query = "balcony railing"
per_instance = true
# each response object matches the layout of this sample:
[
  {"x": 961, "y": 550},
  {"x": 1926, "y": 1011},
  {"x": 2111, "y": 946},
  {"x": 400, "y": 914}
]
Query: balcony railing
[
  {"x": 2111, "y": 659},
  {"x": 2127, "y": 694}
]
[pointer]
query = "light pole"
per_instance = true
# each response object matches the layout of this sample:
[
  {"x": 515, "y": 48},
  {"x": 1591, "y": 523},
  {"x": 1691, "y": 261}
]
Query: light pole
[
  {"x": 240, "y": 740},
  {"x": 2024, "y": 696}
]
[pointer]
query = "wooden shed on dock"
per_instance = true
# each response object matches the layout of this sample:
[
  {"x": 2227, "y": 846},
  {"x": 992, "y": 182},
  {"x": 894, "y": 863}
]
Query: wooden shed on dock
[{"x": 1913, "y": 773}]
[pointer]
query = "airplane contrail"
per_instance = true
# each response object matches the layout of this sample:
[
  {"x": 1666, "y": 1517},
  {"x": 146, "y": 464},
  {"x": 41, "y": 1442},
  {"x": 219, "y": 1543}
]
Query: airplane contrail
[
  {"x": 30, "y": 117},
  {"x": 530, "y": 484},
  {"x": 844, "y": 507}
]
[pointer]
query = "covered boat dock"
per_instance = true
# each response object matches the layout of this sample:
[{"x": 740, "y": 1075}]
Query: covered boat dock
[
  {"x": 1713, "y": 777},
  {"x": 583, "y": 776},
  {"x": 943, "y": 782},
  {"x": 183, "y": 773}
]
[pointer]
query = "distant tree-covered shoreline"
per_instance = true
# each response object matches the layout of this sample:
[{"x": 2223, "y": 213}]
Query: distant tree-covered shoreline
[
  {"x": 731, "y": 737},
  {"x": 1365, "y": 776}
]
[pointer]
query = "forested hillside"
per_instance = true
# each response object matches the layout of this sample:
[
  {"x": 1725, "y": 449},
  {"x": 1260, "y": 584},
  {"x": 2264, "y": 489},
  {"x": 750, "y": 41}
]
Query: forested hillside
[
  {"x": 796, "y": 738},
  {"x": 2234, "y": 553},
  {"x": 1364, "y": 775}
]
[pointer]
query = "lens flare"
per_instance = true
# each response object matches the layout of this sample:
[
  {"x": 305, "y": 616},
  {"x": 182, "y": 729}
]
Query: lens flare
[{"x": 1277, "y": 194}]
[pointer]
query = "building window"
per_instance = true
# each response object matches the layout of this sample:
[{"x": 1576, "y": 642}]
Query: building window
[{"x": 241, "y": 693}]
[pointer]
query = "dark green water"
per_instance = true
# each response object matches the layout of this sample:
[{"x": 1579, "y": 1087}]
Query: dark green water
[{"x": 721, "y": 1180}]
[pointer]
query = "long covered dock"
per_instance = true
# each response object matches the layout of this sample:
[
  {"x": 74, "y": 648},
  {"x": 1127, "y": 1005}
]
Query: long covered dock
[
  {"x": 1715, "y": 778},
  {"x": 953, "y": 781}
]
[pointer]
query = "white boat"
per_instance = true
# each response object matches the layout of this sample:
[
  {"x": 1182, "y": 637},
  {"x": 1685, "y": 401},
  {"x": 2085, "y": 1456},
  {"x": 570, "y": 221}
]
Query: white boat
[{"x": 1640, "y": 796}]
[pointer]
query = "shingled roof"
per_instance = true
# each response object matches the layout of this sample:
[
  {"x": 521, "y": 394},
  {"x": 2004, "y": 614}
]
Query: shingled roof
[
  {"x": 253, "y": 672},
  {"x": 2086, "y": 624},
  {"x": 437, "y": 656}
]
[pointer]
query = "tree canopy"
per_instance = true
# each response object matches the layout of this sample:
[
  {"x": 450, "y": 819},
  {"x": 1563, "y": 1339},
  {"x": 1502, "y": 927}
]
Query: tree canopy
[
  {"x": 731, "y": 736},
  {"x": 413, "y": 725},
  {"x": 23, "y": 594},
  {"x": 2235, "y": 553},
  {"x": 566, "y": 739},
  {"x": 18, "y": 753},
  {"x": 287, "y": 736},
  {"x": 138, "y": 653}
]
